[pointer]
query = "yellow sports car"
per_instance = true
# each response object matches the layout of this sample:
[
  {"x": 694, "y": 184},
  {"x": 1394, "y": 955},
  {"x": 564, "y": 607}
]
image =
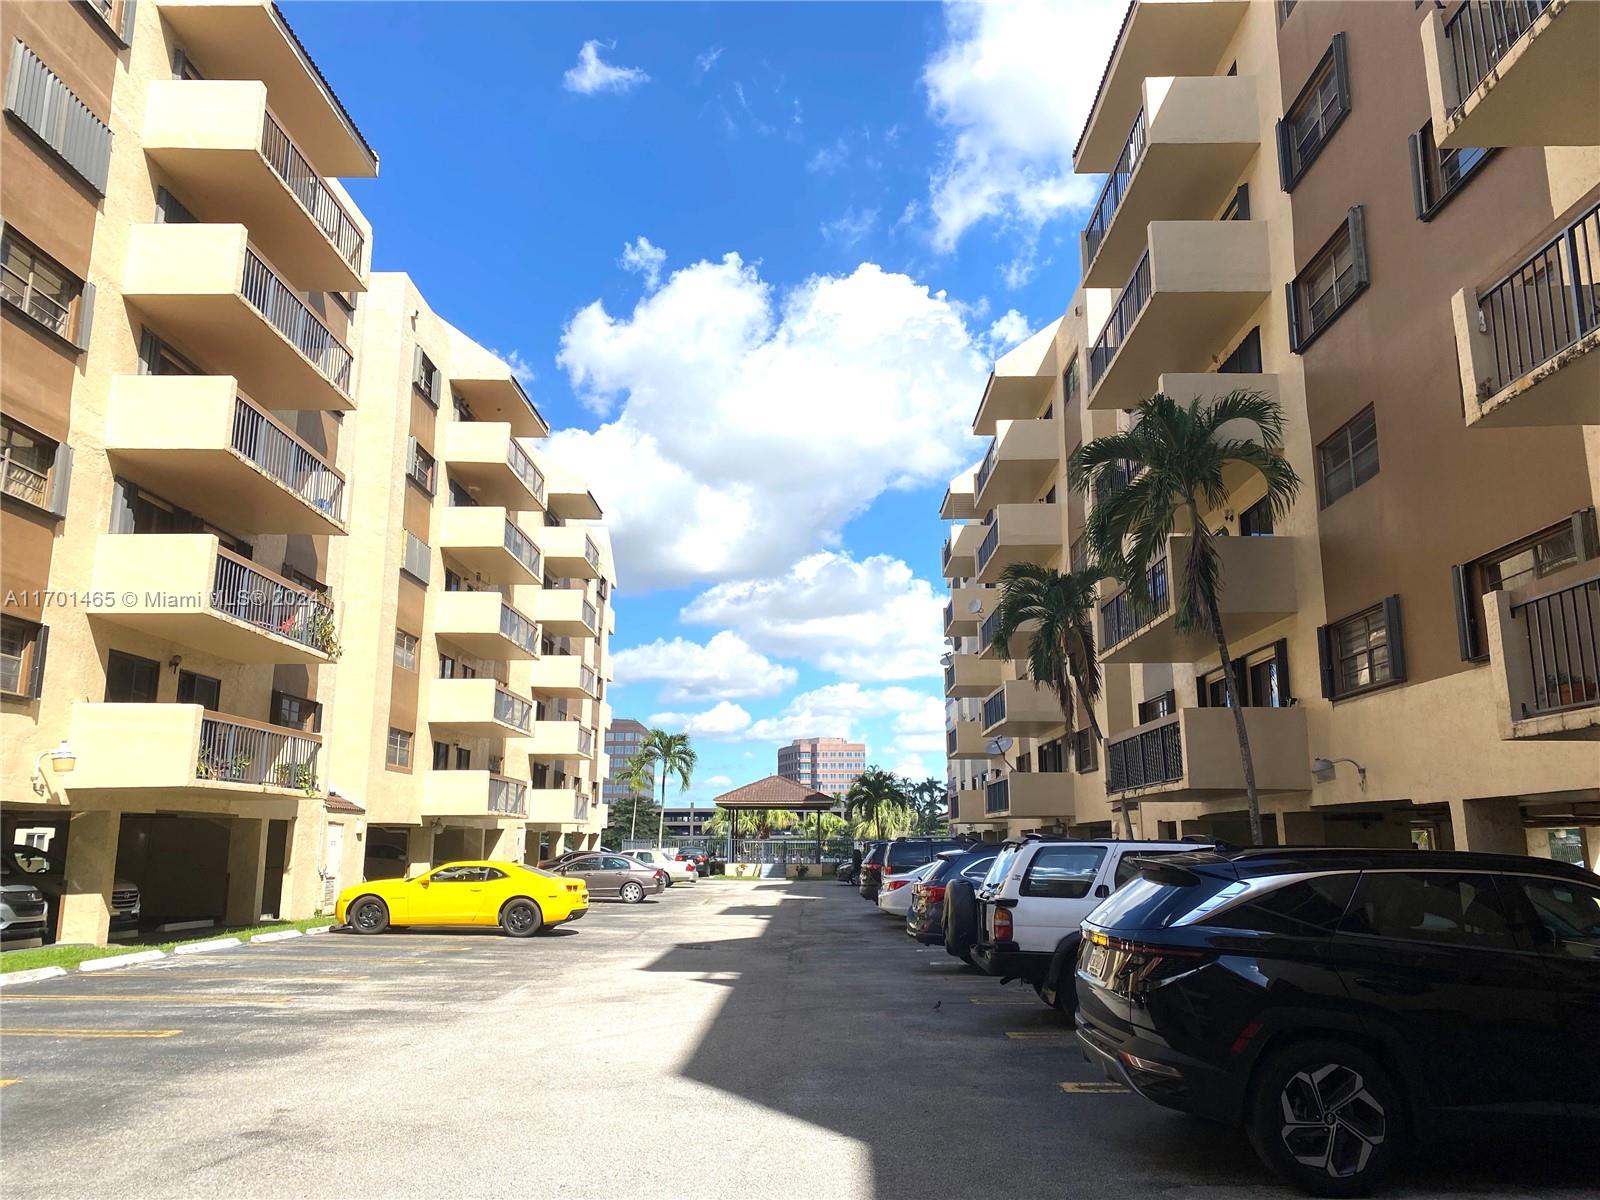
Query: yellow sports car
[{"x": 521, "y": 900}]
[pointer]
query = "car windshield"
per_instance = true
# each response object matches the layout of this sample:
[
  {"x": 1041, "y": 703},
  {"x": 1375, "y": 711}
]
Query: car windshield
[{"x": 1001, "y": 867}]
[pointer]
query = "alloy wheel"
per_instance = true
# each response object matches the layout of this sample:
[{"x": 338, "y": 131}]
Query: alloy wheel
[
  {"x": 368, "y": 916},
  {"x": 1331, "y": 1121},
  {"x": 519, "y": 919}
]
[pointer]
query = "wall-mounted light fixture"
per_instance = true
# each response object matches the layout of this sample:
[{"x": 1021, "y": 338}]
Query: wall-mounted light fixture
[{"x": 1322, "y": 770}]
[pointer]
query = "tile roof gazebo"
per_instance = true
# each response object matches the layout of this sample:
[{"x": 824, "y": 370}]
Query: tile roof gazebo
[{"x": 775, "y": 792}]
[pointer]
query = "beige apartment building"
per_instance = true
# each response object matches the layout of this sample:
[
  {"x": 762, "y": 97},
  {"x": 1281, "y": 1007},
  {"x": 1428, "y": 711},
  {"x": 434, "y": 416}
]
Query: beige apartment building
[
  {"x": 824, "y": 764},
  {"x": 194, "y": 496},
  {"x": 1386, "y": 218}
]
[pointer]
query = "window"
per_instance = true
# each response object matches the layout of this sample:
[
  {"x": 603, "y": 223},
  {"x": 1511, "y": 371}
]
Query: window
[
  {"x": 1063, "y": 872},
  {"x": 22, "y": 647},
  {"x": 131, "y": 679},
  {"x": 172, "y": 211},
  {"x": 296, "y": 712},
  {"x": 399, "y": 749},
  {"x": 417, "y": 558},
  {"x": 1245, "y": 358},
  {"x": 420, "y": 467},
  {"x": 1305, "y": 908},
  {"x": 1083, "y": 751},
  {"x": 405, "y": 650},
  {"x": 1567, "y": 915},
  {"x": 1256, "y": 521},
  {"x": 1334, "y": 277},
  {"x": 40, "y": 287},
  {"x": 1262, "y": 677},
  {"x": 199, "y": 689},
  {"x": 36, "y": 96},
  {"x": 457, "y": 875},
  {"x": 1285, "y": 7},
  {"x": 1349, "y": 457},
  {"x": 1128, "y": 865},
  {"x": 28, "y": 459},
  {"x": 1436, "y": 175},
  {"x": 1157, "y": 707},
  {"x": 1362, "y": 651},
  {"x": 1517, "y": 565},
  {"x": 1069, "y": 382},
  {"x": 1053, "y": 755},
  {"x": 425, "y": 378},
  {"x": 1430, "y": 906},
  {"x": 1314, "y": 114},
  {"x": 1078, "y": 555},
  {"x": 1238, "y": 206}
]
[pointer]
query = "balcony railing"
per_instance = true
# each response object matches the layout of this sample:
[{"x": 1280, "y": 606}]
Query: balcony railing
[
  {"x": 1544, "y": 306},
  {"x": 243, "y": 591},
  {"x": 997, "y": 797},
  {"x": 233, "y": 750},
  {"x": 586, "y": 679},
  {"x": 1148, "y": 757},
  {"x": 1108, "y": 483},
  {"x": 522, "y": 547},
  {"x": 991, "y": 541},
  {"x": 585, "y": 739},
  {"x": 986, "y": 631},
  {"x": 1122, "y": 616},
  {"x": 591, "y": 615},
  {"x": 949, "y": 608},
  {"x": 518, "y": 628},
  {"x": 511, "y": 709},
  {"x": 1481, "y": 32},
  {"x": 287, "y": 313},
  {"x": 949, "y": 678},
  {"x": 517, "y": 458},
  {"x": 994, "y": 707},
  {"x": 316, "y": 196},
  {"x": 1135, "y": 295},
  {"x": 287, "y": 459},
  {"x": 1563, "y": 632},
  {"x": 986, "y": 468},
  {"x": 508, "y": 796},
  {"x": 24, "y": 482},
  {"x": 949, "y": 741},
  {"x": 1116, "y": 186}
]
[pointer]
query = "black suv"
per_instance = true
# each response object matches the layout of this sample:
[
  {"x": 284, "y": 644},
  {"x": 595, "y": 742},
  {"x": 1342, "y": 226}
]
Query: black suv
[
  {"x": 899, "y": 856},
  {"x": 1339, "y": 1003}
]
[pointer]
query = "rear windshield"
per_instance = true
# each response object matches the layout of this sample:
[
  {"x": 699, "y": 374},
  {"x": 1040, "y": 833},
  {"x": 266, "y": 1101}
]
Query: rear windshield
[
  {"x": 874, "y": 856},
  {"x": 1001, "y": 867},
  {"x": 903, "y": 856},
  {"x": 1145, "y": 904}
]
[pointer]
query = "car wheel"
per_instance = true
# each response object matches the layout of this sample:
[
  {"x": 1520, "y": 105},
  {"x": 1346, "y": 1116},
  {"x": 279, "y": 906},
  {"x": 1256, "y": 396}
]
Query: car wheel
[
  {"x": 368, "y": 915},
  {"x": 1327, "y": 1117},
  {"x": 521, "y": 918},
  {"x": 632, "y": 892}
]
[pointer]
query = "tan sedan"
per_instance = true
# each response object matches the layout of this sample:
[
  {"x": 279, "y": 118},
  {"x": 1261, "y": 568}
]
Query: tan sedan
[{"x": 613, "y": 875}]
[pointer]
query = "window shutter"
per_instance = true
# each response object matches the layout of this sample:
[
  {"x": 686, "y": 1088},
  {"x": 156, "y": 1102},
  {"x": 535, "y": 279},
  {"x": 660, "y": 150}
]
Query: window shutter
[
  {"x": 1357, "y": 222},
  {"x": 62, "y": 121},
  {"x": 1419, "y": 178},
  {"x": 41, "y": 642},
  {"x": 1397, "y": 644},
  {"x": 1294, "y": 316},
  {"x": 1280, "y": 658},
  {"x": 85, "y": 316},
  {"x": 1201, "y": 699},
  {"x": 123, "y": 496},
  {"x": 433, "y": 387},
  {"x": 1325, "y": 660},
  {"x": 416, "y": 558},
  {"x": 416, "y": 363},
  {"x": 61, "y": 479},
  {"x": 1341, "y": 71},
  {"x": 1466, "y": 639},
  {"x": 1285, "y": 163},
  {"x": 127, "y": 20},
  {"x": 411, "y": 456}
]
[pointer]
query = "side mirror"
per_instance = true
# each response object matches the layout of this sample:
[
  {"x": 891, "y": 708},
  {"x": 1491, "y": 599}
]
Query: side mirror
[{"x": 423, "y": 882}]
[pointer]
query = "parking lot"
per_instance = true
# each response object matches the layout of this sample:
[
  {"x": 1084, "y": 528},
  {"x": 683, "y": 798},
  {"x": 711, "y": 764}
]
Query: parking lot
[{"x": 735, "y": 1039}]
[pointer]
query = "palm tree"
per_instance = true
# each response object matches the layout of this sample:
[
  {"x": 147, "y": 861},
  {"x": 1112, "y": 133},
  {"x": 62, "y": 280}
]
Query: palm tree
[
  {"x": 875, "y": 795},
  {"x": 666, "y": 754},
  {"x": 1180, "y": 453},
  {"x": 639, "y": 781}
]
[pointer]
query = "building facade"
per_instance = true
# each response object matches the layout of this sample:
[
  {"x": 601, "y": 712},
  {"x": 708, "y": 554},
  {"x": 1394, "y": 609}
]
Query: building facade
[
  {"x": 623, "y": 739},
  {"x": 207, "y": 504},
  {"x": 1329, "y": 204},
  {"x": 824, "y": 764}
]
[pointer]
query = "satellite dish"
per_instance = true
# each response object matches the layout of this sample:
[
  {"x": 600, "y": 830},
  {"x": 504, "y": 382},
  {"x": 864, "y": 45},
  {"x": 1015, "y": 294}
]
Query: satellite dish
[
  {"x": 999, "y": 745},
  {"x": 946, "y": 659},
  {"x": 975, "y": 606}
]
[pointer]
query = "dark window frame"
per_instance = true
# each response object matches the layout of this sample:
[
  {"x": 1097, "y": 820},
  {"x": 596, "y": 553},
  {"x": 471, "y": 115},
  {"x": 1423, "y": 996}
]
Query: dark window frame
[
  {"x": 134, "y": 663},
  {"x": 33, "y": 642},
  {"x": 1469, "y": 581},
  {"x": 1293, "y": 160},
  {"x": 1430, "y": 190},
  {"x": 1330, "y": 660},
  {"x": 1353, "y": 234},
  {"x": 1346, "y": 432}
]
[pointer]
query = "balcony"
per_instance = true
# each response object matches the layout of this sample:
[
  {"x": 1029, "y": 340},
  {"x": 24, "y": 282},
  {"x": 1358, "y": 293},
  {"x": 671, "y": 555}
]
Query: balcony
[
  {"x": 185, "y": 588},
  {"x": 1529, "y": 346},
  {"x": 1194, "y": 754},
  {"x": 1257, "y": 591},
  {"x": 487, "y": 541},
  {"x": 202, "y": 444},
  {"x": 478, "y": 708},
  {"x": 1182, "y": 159},
  {"x": 959, "y": 501},
  {"x": 1544, "y": 647},
  {"x": 966, "y": 740},
  {"x": 250, "y": 40},
  {"x": 571, "y": 501},
  {"x": 1021, "y": 459},
  {"x": 1016, "y": 648},
  {"x": 969, "y": 605},
  {"x": 473, "y": 794},
  {"x": 208, "y": 288},
  {"x": 556, "y": 806},
  {"x": 565, "y": 612},
  {"x": 1020, "y": 708},
  {"x": 230, "y": 160},
  {"x": 1197, "y": 283},
  {"x": 969, "y": 676},
  {"x": 961, "y": 551},
  {"x": 561, "y": 740},
  {"x": 483, "y": 624},
  {"x": 1018, "y": 533},
  {"x": 484, "y": 458},
  {"x": 569, "y": 552},
  {"x": 566, "y": 676},
  {"x": 1209, "y": 387},
  {"x": 1040, "y": 795},
  {"x": 1158, "y": 38},
  {"x": 1022, "y": 382},
  {"x": 1514, "y": 73},
  {"x": 491, "y": 391},
  {"x": 182, "y": 753},
  {"x": 969, "y": 808}
]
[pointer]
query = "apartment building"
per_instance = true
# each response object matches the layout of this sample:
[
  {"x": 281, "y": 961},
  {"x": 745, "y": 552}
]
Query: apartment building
[
  {"x": 623, "y": 739},
  {"x": 1382, "y": 217},
  {"x": 824, "y": 764},
  {"x": 186, "y": 463}
]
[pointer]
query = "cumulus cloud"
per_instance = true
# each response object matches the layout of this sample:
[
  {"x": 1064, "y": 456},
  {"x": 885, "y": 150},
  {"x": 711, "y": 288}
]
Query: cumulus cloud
[
  {"x": 725, "y": 667},
  {"x": 1008, "y": 331},
  {"x": 722, "y": 721},
  {"x": 521, "y": 369},
  {"x": 643, "y": 257},
  {"x": 1012, "y": 86},
  {"x": 870, "y": 619},
  {"x": 593, "y": 74},
  {"x": 839, "y": 710},
  {"x": 713, "y": 469},
  {"x": 718, "y": 781}
]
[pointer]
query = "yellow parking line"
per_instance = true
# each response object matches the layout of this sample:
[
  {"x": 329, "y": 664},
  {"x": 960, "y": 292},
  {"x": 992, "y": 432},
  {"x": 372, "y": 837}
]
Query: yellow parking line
[
  {"x": 12, "y": 1031},
  {"x": 1095, "y": 1088},
  {"x": 1036, "y": 1035},
  {"x": 107, "y": 998},
  {"x": 8, "y": 1082}
]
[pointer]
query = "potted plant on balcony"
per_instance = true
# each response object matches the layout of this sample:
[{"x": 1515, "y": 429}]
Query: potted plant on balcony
[{"x": 324, "y": 636}]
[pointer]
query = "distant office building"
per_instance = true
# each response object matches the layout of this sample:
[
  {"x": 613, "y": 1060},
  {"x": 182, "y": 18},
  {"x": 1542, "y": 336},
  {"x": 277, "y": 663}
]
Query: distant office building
[
  {"x": 688, "y": 822},
  {"x": 622, "y": 743},
  {"x": 828, "y": 765}
]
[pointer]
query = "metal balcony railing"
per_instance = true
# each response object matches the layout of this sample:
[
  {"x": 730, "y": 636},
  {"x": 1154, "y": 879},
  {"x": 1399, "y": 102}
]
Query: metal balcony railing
[
  {"x": 265, "y": 442},
  {"x": 1563, "y": 640},
  {"x": 508, "y": 796},
  {"x": 1115, "y": 188},
  {"x": 949, "y": 741},
  {"x": 994, "y": 707},
  {"x": 1121, "y": 616},
  {"x": 986, "y": 631},
  {"x": 287, "y": 313},
  {"x": 517, "y": 458},
  {"x": 586, "y": 679},
  {"x": 997, "y": 797},
  {"x": 949, "y": 614},
  {"x": 949, "y": 678},
  {"x": 591, "y": 616},
  {"x": 315, "y": 196},
  {"x": 1150, "y": 756},
  {"x": 522, "y": 548},
  {"x": 1545, "y": 305},
  {"x": 1135, "y": 295},
  {"x": 242, "y": 590},
  {"x": 585, "y": 739},
  {"x": 1481, "y": 32},
  {"x": 991, "y": 541},
  {"x": 511, "y": 709},
  {"x": 233, "y": 750},
  {"x": 591, "y": 553},
  {"x": 1111, "y": 481},
  {"x": 986, "y": 468},
  {"x": 518, "y": 628}
]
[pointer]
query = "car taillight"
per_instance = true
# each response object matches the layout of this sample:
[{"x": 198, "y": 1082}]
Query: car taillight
[
  {"x": 1002, "y": 924},
  {"x": 1134, "y": 968},
  {"x": 933, "y": 891},
  {"x": 894, "y": 885}
]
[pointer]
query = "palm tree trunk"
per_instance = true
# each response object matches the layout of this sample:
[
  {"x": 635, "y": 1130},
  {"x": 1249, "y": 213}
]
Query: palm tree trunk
[
  {"x": 661, "y": 824},
  {"x": 1230, "y": 676}
]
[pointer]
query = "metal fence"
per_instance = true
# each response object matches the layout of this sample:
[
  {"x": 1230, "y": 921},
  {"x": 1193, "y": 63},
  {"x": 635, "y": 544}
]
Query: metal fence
[
  {"x": 1563, "y": 638},
  {"x": 1151, "y": 756},
  {"x": 1111, "y": 194},
  {"x": 308, "y": 187},
  {"x": 288, "y": 460},
  {"x": 1480, "y": 33},
  {"x": 237, "y": 751},
  {"x": 1129, "y": 305},
  {"x": 288, "y": 314},
  {"x": 1122, "y": 616}
]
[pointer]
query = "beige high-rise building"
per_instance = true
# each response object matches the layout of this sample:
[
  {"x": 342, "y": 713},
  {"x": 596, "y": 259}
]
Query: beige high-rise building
[
  {"x": 825, "y": 764},
  {"x": 1387, "y": 223},
  {"x": 206, "y": 492}
]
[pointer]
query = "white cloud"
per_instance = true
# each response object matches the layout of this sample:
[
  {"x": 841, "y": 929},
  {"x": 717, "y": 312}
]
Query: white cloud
[
  {"x": 838, "y": 710},
  {"x": 705, "y": 60},
  {"x": 713, "y": 468},
  {"x": 521, "y": 368},
  {"x": 593, "y": 74},
  {"x": 1012, "y": 86},
  {"x": 643, "y": 257},
  {"x": 1010, "y": 330},
  {"x": 722, "y": 721},
  {"x": 850, "y": 226},
  {"x": 868, "y": 620},
  {"x": 829, "y": 159},
  {"x": 725, "y": 667},
  {"x": 717, "y": 781}
]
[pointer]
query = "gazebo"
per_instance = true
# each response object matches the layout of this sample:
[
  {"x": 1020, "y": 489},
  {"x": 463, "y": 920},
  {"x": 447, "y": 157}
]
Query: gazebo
[{"x": 774, "y": 792}]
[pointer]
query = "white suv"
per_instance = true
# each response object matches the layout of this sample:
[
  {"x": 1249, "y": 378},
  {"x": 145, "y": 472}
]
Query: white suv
[{"x": 1032, "y": 904}]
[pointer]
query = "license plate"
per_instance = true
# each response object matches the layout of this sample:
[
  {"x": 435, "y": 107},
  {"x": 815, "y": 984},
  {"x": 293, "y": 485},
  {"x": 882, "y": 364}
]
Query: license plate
[{"x": 1097, "y": 961}]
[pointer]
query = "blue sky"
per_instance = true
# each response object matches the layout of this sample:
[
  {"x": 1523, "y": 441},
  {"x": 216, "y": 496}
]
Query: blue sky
[{"x": 755, "y": 261}]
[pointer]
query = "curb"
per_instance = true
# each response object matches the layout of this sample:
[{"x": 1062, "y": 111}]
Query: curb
[
  {"x": 226, "y": 943},
  {"x": 318, "y": 929},
  {"x": 277, "y": 935},
  {"x": 33, "y": 976},
  {"x": 120, "y": 960}
]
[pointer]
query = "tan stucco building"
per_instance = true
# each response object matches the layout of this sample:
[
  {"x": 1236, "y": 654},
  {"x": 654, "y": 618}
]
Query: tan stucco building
[
  {"x": 1314, "y": 201},
  {"x": 211, "y": 505}
]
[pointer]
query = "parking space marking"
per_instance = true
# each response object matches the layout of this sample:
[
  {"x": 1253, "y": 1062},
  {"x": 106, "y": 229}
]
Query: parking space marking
[
  {"x": 110, "y": 998},
  {"x": 1037, "y": 1035},
  {"x": 4, "y": 1083},
  {"x": 238, "y": 955},
  {"x": 14, "y": 1031},
  {"x": 1093, "y": 1088}
]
